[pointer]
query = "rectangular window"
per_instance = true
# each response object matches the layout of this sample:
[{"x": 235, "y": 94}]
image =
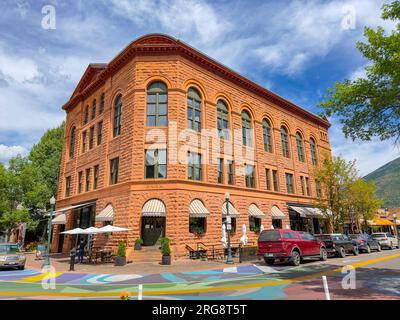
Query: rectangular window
[
  {"x": 254, "y": 224},
  {"x": 91, "y": 138},
  {"x": 155, "y": 163},
  {"x": 268, "y": 178},
  {"x": 302, "y": 185},
  {"x": 114, "y": 164},
  {"x": 87, "y": 184},
  {"x": 289, "y": 183},
  {"x": 80, "y": 174},
  {"x": 318, "y": 188},
  {"x": 101, "y": 103},
  {"x": 83, "y": 141},
  {"x": 99, "y": 132},
  {"x": 68, "y": 186},
  {"x": 230, "y": 172},
  {"x": 250, "y": 176},
  {"x": 277, "y": 223},
  {"x": 220, "y": 170},
  {"x": 93, "y": 110},
  {"x": 95, "y": 177},
  {"x": 194, "y": 166},
  {"x": 308, "y": 186},
  {"x": 275, "y": 180}
]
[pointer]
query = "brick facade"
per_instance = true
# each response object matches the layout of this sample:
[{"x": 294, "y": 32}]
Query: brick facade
[{"x": 161, "y": 58}]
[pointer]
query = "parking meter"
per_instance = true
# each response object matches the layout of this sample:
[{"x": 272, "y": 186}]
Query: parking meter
[{"x": 72, "y": 255}]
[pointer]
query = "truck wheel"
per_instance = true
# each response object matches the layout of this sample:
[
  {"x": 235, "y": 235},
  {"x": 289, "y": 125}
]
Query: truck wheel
[
  {"x": 269, "y": 261},
  {"x": 295, "y": 258},
  {"x": 323, "y": 254},
  {"x": 341, "y": 252},
  {"x": 355, "y": 251}
]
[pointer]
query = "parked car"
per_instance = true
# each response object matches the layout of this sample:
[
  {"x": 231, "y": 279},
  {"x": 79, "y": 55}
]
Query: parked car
[
  {"x": 365, "y": 242},
  {"x": 386, "y": 240},
  {"x": 11, "y": 256},
  {"x": 338, "y": 244},
  {"x": 290, "y": 246}
]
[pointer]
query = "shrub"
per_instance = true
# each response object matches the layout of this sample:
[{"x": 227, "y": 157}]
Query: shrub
[
  {"x": 121, "y": 252},
  {"x": 165, "y": 248},
  {"x": 139, "y": 241}
]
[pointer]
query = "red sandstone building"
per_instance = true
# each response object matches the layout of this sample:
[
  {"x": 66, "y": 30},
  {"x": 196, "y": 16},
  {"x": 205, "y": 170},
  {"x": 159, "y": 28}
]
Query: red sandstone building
[{"x": 131, "y": 122}]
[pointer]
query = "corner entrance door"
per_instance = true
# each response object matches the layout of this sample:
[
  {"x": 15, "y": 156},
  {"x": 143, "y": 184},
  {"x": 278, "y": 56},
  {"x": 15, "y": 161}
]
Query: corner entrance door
[
  {"x": 153, "y": 228},
  {"x": 61, "y": 238}
]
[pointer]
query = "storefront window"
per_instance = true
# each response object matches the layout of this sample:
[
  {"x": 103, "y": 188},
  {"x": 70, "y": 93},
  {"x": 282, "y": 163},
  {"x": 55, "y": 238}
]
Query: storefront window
[
  {"x": 233, "y": 223},
  {"x": 197, "y": 225},
  {"x": 255, "y": 224},
  {"x": 277, "y": 223}
]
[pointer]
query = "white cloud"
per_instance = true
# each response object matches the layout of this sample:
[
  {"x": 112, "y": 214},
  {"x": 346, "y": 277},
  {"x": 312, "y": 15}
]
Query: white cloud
[
  {"x": 8, "y": 152},
  {"x": 369, "y": 155},
  {"x": 304, "y": 30},
  {"x": 359, "y": 73}
]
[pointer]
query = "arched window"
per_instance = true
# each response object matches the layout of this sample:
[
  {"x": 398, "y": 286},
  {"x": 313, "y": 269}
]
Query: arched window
[
  {"x": 72, "y": 143},
  {"x": 246, "y": 129},
  {"x": 222, "y": 120},
  {"x": 194, "y": 110},
  {"x": 285, "y": 142},
  {"x": 299, "y": 143},
  {"x": 157, "y": 104},
  {"x": 313, "y": 152},
  {"x": 86, "y": 116},
  {"x": 117, "y": 116},
  {"x": 267, "y": 135}
]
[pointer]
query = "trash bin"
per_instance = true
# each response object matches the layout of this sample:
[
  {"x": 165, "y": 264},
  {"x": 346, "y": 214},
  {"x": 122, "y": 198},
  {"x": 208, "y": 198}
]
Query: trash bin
[{"x": 72, "y": 255}]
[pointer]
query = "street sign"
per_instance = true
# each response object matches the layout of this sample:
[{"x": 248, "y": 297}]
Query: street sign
[
  {"x": 228, "y": 219},
  {"x": 228, "y": 226}
]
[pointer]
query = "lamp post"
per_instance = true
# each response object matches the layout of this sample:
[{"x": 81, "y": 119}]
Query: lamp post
[
  {"x": 47, "y": 259},
  {"x": 229, "y": 259},
  {"x": 395, "y": 226}
]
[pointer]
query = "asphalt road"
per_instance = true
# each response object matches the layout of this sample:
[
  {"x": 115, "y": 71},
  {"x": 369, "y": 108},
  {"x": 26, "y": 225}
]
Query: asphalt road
[{"x": 367, "y": 276}]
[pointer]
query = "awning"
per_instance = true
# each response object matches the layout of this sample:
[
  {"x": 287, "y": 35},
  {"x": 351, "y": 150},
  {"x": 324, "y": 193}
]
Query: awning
[
  {"x": 232, "y": 211},
  {"x": 154, "y": 208},
  {"x": 81, "y": 205},
  {"x": 255, "y": 212},
  {"x": 107, "y": 214},
  {"x": 198, "y": 210},
  {"x": 381, "y": 222},
  {"x": 309, "y": 212},
  {"x": 277, "y": 213},
  {"x": 59, "y": 219}
]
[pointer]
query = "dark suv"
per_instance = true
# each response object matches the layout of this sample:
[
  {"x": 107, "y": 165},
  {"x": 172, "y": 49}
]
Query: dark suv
[
  {"x": 288, "y": 245},
  {"x": 338, "y": 244},
  {"x": 365, "y": 242}
]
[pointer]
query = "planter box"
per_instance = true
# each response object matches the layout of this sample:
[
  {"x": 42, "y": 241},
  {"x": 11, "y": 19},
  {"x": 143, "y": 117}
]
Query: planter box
[
  {"x": 120, "y": 261},
  {"x": 166, "y": 260},
  {"x": 248, "y": 253},
  {"x": 138, "y": 247}
]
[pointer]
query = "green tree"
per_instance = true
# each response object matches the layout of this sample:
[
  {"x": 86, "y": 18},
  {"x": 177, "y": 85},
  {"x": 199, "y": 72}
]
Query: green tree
[
  {"x": 370, "y": 106},
  {"x": 335, "y": 177},
  {"x": 363, "y": 201},
  {"x": 11, "y": 219}
]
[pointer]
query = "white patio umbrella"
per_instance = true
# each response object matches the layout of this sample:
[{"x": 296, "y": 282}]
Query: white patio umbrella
[
  {"x": 73, "y": 231},
  {"x": 244, "y": 239},
  {"x": 110, "y": 228},
  {"x": 91, "y": 230},
  {"x": 223, "y": 239}
]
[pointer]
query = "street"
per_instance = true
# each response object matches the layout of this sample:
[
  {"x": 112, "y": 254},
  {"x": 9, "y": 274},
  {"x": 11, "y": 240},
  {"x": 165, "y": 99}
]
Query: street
[{"x": 375, "y": 276}]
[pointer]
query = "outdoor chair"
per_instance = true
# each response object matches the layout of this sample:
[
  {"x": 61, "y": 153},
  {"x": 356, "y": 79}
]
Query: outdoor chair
[{"x": 193, "y": 254}]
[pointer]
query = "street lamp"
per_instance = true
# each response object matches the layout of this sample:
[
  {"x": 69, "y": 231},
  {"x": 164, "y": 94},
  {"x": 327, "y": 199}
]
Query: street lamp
[
  {"x": 395, "y": 226},
  {"x": 47, "y": 259},
  {"x": 229, "y": 259}
]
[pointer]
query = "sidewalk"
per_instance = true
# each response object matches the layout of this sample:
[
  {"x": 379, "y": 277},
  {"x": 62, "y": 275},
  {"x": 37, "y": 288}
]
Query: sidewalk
[{"x": 61, "y": 264}]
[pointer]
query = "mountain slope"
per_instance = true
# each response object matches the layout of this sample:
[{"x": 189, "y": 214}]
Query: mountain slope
[{"x": 387, "y": 179}]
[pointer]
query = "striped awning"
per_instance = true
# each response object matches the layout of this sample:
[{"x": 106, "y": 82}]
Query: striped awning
[
  {"x": 75, "y": 206},
  {"x": 107, "y": 214},
  {"x": 154, "y": 208},
  {"x": 59, "y": 219},
  {"x": 277, "y": 213},
  {"x": 255, "y": 212},
  {"x": 232, "y": 211},
  {"x": 309, "y": 212},
  {"x": 198, "y": 210}
]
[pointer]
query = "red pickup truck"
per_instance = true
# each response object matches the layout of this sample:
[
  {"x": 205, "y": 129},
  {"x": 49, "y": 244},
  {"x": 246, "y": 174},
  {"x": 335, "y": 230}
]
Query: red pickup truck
[{"x": 289, "y": 245}]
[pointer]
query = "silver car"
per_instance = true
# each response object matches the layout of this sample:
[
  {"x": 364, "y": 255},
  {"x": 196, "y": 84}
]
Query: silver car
[
  {"x": 386, "y": 240},
  {"x": 11, "y": 256}
]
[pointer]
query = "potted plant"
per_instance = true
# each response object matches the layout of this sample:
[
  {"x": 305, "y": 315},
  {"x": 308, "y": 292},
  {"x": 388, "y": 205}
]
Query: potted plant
[
  {"x": 138, "y": 244},
  {"x": 120, "y": 259},
  {"x": 166, "y": 251}
]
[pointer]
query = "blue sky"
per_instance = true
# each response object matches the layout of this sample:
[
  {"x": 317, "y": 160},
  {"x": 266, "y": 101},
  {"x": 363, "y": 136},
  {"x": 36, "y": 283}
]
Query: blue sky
[{"x": 295, "y": 48}]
